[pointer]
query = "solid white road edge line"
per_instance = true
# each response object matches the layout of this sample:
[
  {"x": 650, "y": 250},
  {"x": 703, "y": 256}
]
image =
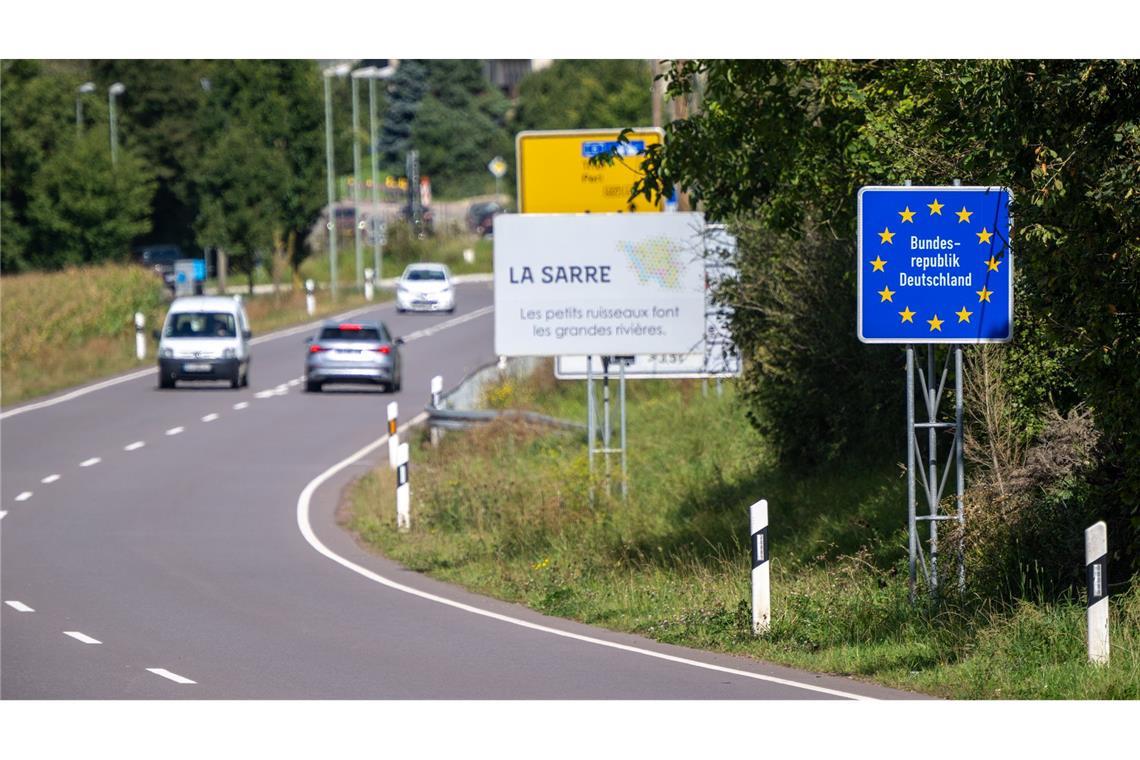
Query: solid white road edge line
[
  {"x": 171, "y": 676},
  {"x": 307, "y": 531},
  {"x": 50, "y": 479},
  {"x": 24, "y": 496},
  {"x": 78, "y": 636},
  {"x": 134, "y": 446},
  {"x": 90, "y": 462},
  {"x": 19, "y": 606}
]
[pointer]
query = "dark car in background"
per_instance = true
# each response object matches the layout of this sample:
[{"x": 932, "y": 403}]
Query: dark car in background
[
  {"x": 160, "y": 259},
  {"x": 481, "y": 217}
]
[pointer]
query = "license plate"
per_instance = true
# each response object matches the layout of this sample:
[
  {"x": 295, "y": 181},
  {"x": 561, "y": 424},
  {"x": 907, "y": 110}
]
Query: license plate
[
  {"x": 344, "y": 355},
  {"x": 195, "y": 367}
]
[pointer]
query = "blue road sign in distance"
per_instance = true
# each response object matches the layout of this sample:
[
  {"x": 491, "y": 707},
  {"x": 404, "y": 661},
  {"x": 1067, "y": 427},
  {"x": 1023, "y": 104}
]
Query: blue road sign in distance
[{"x": 935, "y": 265}]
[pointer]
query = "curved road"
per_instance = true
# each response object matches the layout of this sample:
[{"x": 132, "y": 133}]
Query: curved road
[{"x": 182, "y": 544}]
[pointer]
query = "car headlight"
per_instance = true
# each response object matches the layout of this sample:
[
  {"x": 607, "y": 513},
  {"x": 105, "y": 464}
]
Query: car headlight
[
  {"x": 166, "y": 353},
  {"x": 229, "y": 353},
  {"x": 401, "y": 288}
]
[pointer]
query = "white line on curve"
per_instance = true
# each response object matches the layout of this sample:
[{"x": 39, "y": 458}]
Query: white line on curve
[
  {"x": 24, "y": 496},
  {"x": 210, "y": 417},
  {"x": 294, "y": 382},
  {"x": 306, "y": 529},
  {"x": 175, "y": 430},
  {"x": 171, "y": 676},
  {"x": 3, "y": 514},
  {"x": 79, "y": 636},
  {"x": 134, "y": 446},
  {"x": 241, "y": 405},
  {"x": 90, "y": 462},
  {"x": 19, "y": 606},
  {"x": 50, "y": 479}
]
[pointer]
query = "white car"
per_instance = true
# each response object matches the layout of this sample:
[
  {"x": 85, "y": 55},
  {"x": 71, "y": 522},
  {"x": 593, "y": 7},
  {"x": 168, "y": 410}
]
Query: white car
[
  {"x": 425, "y": 287},
  {"x": 204, "y": 338}
]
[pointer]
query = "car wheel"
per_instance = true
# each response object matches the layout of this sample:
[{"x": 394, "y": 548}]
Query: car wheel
[
  {"x": 312, "y": 387},
  {"x": 245, "y": 378},
  {"x": 165, "y": 381},
  {"x": 235, "y": 381}
]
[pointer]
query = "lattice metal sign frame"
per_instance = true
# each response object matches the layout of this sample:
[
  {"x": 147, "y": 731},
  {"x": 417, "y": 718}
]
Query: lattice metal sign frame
[{"x": 957, "y": 264}]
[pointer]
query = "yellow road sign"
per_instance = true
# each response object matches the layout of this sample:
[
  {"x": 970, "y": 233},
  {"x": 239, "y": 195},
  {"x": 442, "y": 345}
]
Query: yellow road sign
[{"x": 555, "y": 175}]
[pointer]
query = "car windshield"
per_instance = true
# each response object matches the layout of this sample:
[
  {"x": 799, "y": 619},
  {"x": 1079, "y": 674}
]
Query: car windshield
[
  {"x": 351, "y": 332},
  {"x": 425, "y": 274},
  {"x": 200, "y": 324}
]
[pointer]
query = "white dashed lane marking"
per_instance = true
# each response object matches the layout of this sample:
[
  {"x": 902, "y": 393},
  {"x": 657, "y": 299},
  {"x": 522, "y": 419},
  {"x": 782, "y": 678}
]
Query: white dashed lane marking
[
  {"x": 90, "y": 462},
  {"x": 3, "y": 514},
  {"x": 134, "y": 446},
  {"x": 210, "y": 417},
  {"x": 79, "y": 636},
  {"x": 241, "y": 405},
  {"x": 175, "y": 430},
  {"x": 263, "y": 394},
  {"x": 19, "y": 606},
  {"x": 24, "y": 496},
  {"x": 50, "y": 479},
  {"x": 172, "y": 676}
]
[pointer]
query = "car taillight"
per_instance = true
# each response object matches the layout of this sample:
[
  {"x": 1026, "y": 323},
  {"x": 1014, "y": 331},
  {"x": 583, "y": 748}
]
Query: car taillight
[
  {"x": 384, "y": 349},
  {"x": 314, "y": 349},
  {"x": 350, "y": 326}
]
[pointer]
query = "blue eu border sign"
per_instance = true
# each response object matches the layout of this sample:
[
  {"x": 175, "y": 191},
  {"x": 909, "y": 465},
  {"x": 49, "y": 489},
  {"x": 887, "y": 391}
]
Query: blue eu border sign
[{"x": 935, "y": 265}]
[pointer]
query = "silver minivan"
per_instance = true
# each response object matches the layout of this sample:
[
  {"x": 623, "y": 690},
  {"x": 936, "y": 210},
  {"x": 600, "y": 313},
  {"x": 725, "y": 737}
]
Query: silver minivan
[{"x": 204, "y": 338}]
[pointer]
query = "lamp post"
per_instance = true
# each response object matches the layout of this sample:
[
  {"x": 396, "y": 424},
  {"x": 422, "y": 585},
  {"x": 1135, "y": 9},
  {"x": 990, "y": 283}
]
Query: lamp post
[
  {"x": 377, "y": 243},
  {"x": 337, "y": 71},
  {"x": 112, "y": 92},
  {"x": 82, "y": 90},
  {"x": 358, "y": 74}
]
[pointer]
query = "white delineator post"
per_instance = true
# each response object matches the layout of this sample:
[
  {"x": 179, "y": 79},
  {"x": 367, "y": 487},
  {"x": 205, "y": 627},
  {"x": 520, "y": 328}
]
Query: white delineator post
[
  {"x": 761, "y": 583},
  {"x": 140, "y": 336},
  {"x": 436, "y": 390},
  {"x": 1096, "y": 575},
  {"x": 403, "y": 493},
  {"x": 310, "y": 298},
  {"x": 368, "y": 284},
  {"x": 393, "y": 436}
]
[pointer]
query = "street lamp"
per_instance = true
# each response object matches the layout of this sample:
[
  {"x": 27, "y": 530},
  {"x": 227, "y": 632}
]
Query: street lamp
[
  {"x": 83, "y": 89},
  {"x": 116, "y": 89},
  {"x": 377, "y": 244},
  {"x": 358, "y": 74},
  {"x": 331, "y": 71}
]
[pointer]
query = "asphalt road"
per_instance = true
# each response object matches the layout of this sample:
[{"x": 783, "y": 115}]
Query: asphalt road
[{"x": 182, "y": 544}]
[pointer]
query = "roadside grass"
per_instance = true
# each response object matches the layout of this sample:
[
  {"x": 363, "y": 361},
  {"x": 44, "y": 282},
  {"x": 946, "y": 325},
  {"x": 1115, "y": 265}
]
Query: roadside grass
[
  {"x": 505, "y": 510},
  {"x": 402, "y": 249},
  {"x": 61, "y": 329}
]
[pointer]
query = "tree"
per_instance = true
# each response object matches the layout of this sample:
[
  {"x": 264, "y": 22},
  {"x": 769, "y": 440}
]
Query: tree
[
  {"x": 585, "y": 94},
  {"x": 237, "y": 213},
  {"x": 83, "y": 210},
  {"x": 788, "y": 144}
]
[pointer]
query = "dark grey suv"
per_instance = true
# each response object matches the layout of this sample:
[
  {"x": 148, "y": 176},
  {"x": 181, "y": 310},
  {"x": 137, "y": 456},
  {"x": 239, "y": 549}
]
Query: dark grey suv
[{"x": 353, "y": 352}]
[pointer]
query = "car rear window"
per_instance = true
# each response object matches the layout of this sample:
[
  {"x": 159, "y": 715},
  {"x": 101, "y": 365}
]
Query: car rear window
[
  {"x": 351, "y": 332},
  {"x": 425, "y": 274},
  {"x": 200, "y": 324}
]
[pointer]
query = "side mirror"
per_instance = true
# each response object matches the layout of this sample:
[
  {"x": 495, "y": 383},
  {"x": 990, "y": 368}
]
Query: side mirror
[
  {"x": 399, "y": 341},
  {"x": 247, "y": 334},
  {"x": 309, "y": 339}
]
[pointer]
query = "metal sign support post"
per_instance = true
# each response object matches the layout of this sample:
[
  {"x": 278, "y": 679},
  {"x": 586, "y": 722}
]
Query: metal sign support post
[
  {"x": 933, "y": 481},
  {"x": 591, "y": 419},
  {"x": 624, "y": 463},
  {"x": 606, "y": 418}
]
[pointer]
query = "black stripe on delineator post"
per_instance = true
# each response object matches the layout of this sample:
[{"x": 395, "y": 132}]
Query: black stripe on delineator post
[
  {"x": 1096, "y": 579},
  {"x": 760, "y": 547},
  {"x": 402, "y": 475}
]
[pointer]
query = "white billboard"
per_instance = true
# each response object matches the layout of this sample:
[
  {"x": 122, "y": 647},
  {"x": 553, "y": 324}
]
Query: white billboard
[
  {"x": 715, "y": 356},
  {"x": 570, "y": 284}
]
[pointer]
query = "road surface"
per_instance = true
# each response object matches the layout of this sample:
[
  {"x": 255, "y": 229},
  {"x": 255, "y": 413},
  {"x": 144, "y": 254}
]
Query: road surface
[{"x": 182, "y": 544}]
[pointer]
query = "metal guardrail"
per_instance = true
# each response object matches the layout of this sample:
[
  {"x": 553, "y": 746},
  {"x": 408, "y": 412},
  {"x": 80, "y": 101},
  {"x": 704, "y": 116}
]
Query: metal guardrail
[{"x": 446, "y": 417}]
